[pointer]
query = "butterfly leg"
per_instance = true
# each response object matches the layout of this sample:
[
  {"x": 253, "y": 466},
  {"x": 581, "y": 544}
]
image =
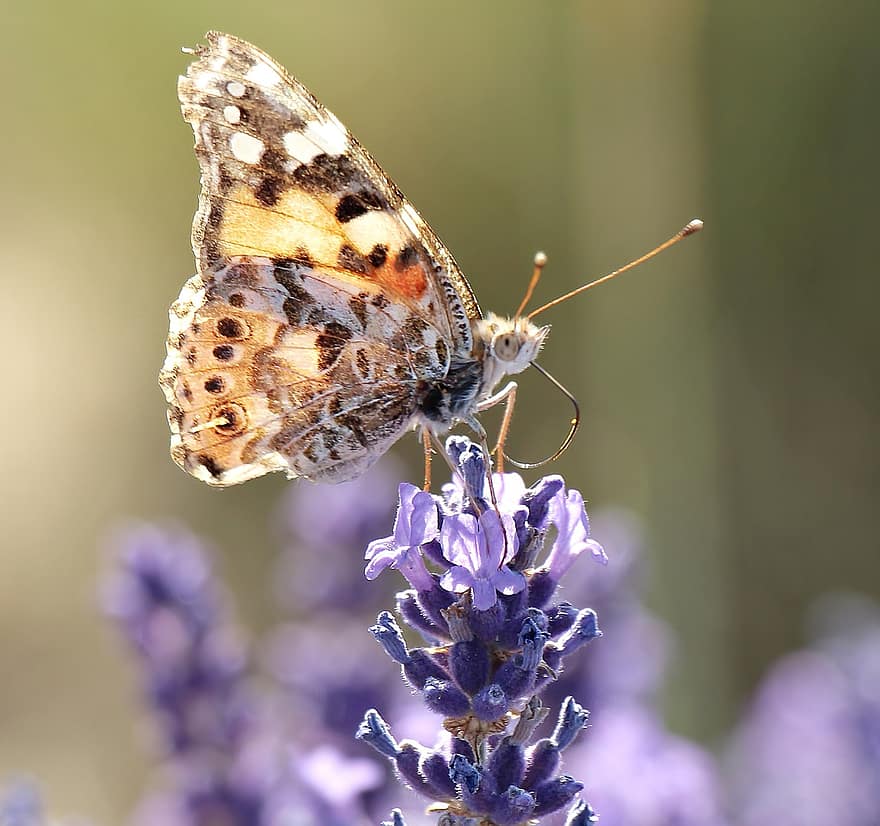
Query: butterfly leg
[
  {"x": 507, "y": 394},
  {"x": 429, "y": 451}
]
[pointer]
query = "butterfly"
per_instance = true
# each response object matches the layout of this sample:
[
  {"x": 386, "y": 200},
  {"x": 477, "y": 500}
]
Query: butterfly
[{"x": 326, "y": 319}]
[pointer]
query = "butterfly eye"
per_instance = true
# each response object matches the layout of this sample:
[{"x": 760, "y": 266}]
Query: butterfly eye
[{"x": 506, "y": 346}]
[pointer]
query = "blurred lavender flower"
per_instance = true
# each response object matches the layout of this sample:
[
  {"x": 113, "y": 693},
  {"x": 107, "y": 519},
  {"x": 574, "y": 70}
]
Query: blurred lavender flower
[
  {"x": 641, "y": 775},
  {"x": 230, "y": 757},
  {"x": 495, "y": 637},
  {"x": 630, "y": 664},
  {"x": 808, "y": 750},
  {"x": 20, "y": 805},
  {"x": 315, "y": 570},
  {"x": 167, "y": 605},
  {"x": 637, "y": 772}
]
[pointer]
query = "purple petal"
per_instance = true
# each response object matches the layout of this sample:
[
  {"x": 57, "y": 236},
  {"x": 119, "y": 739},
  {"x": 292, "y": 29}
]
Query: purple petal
[
  {"x": 457, "y": 579},
  {"x": 402, "y": 522},
  {"x": 423, "y": 520},
  {"x": 412, "y": 566},
  {"x": 568, "y": 514},
  {"x": 485, "y": 595},
  {"x": 381, "y": 553},
  {"x": 509, "y": 488},
  {"x": 491, "y": 551},
  {"x": 458, "y": 536},
  {"x": 508, "y": 582}
]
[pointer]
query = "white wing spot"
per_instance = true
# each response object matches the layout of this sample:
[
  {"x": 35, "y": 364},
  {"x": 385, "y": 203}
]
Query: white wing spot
[
  {"x": 236, "y": 88},
  {"x": 376, "y": 227},
  {"x": 246, "y": 148},
  {"x": 263, "y": 75},
  {"x": 300, "y": 148},
  {"x": 330, "y": 135},
  {"x": 231, "y": 114}
]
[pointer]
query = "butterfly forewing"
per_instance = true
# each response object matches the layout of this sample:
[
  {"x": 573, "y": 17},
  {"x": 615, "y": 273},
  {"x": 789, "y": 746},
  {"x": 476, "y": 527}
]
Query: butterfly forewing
[{"x": 323, "y": 302}]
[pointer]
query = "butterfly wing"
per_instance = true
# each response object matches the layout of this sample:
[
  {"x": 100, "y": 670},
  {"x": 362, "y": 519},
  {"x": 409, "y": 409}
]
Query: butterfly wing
[{"x": 323, "y": 302}]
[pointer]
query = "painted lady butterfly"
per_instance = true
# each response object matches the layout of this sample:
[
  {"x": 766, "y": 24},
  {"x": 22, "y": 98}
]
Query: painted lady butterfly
[{"x": 326, "y": 319}]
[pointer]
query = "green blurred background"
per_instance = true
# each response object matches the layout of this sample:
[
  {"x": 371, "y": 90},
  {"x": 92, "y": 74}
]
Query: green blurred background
[{"x": 729, "y": 388}]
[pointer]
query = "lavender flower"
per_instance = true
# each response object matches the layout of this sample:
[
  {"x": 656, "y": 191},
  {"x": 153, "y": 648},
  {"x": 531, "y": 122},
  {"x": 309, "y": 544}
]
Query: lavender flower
[
  {"x": 641, "y": 775},
  {"x": 195, "y": 669},
  {"x": 495, "y": 637},
  {"x": 637, "y": 772},
  {"x": 808, "y": 751},
  {"x": 20, "y": 805},
  {"x": 416, "y": 524},
  {"x": 234, "y": 754},
  {"x": 323, "y": 529},
  {"x": 478, "y": 550}
]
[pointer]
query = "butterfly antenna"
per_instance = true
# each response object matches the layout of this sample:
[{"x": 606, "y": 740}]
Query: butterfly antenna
[
  {"x": 573, "y": 425},
  {"x": 540, "y": 263},
  {"x": 694, "y": 226}
]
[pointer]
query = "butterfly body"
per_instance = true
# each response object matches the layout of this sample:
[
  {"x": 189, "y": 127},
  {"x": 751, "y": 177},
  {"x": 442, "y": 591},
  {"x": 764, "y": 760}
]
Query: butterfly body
[{"x": 326, "y": 319}]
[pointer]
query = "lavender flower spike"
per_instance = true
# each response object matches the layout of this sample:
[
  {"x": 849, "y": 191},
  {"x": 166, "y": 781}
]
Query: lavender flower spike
[{"x": 491, "y": 647}]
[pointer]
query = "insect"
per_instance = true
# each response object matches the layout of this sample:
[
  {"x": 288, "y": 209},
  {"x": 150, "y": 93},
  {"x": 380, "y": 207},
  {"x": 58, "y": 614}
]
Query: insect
[{"x": 326, "y": 318}]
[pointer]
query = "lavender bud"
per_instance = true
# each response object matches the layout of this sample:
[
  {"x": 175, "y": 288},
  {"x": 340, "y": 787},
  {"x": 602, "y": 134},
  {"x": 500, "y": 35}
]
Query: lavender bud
[
  {"x": 554, "y": 794},
  {"x": 490, "y": 703},
  {"x": 581, "y": 814},
  {"x": 435, "y": 769},
  {"x": 542, "y": 762},
  {"x": 507, "y": 764},
  {"x": 585, "y": 628},
  {"x": 421, "y": 667},
  {"x": 572, "y": 719},
  {"x": 469, "y": 663},
  {"x": 537, "y": 499},
  {"x": 445, "y": 698},
  {"x": 387, "y": 633},
  {"x": 561, "y": 618},
  {"x": 463, "y": 773},
  {"x": 512, "y": 807},
  {"x": 408, "y": 760},
  {"x": 410, "y": 609},
  {"x": 374, "y": 730}
]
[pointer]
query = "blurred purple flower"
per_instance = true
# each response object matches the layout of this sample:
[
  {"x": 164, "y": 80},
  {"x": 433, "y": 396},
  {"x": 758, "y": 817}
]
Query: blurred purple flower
[
  {"x": 194, "y": 668},
  {"x": 20, "y": 804},
  {"x": 230, "y": 754},
  {"x": 315, "y": 570},
  {"x": 808, "y": 750},
  {"x": 638, "y": 774}
]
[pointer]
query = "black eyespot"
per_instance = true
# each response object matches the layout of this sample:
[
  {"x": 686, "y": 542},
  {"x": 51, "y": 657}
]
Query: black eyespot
[{"x": 230, "y": 328}]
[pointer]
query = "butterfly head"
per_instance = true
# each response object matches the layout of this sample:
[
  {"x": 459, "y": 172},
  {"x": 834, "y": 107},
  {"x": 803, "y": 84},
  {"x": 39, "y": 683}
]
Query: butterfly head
[{"x": 510, "y": 344}]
